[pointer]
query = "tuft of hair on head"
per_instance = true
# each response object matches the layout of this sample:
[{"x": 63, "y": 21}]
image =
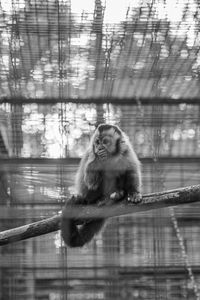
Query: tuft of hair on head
[{"x": 102, "y": 127}]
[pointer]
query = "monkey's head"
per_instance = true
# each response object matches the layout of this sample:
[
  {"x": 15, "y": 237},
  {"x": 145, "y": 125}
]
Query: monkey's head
[{"x": 108, "y": 140}]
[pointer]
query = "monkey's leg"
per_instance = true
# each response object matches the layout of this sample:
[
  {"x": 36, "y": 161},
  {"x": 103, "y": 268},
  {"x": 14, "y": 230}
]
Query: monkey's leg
[
  {"x": 90, "y": 228},
  {"x": 76, "y": 200},
  {"x": 75, "y": 236}
]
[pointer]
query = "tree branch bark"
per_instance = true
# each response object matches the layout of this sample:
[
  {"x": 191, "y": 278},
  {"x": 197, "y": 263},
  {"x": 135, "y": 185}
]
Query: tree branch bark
[{"x": 176, "y": 197}]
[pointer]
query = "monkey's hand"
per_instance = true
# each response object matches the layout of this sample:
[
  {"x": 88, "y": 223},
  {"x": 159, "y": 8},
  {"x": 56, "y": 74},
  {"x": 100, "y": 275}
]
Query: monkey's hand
[
  {"x": 112, "y": 198},
  {"x": 134, "y": 198}
]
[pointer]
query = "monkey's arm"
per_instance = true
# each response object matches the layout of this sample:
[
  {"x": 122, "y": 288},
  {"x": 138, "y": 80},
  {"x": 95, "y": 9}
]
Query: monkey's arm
[
  {"x": 88, "y": 177},
  {"x": 133, "y": 184},
  {"x": 92, "y": 176}
]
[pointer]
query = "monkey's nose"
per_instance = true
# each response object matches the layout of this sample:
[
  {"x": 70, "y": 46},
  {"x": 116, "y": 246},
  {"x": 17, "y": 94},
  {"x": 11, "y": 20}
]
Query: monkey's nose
[{"x": 100, "y": 148}]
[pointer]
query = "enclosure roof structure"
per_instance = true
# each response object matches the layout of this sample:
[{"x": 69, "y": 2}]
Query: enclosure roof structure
[{"x": 55, "y": 51}]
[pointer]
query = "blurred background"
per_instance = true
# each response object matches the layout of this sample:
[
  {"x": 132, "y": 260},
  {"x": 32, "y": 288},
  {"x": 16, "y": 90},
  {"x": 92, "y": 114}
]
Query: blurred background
[{"x": 65, "y": 67}]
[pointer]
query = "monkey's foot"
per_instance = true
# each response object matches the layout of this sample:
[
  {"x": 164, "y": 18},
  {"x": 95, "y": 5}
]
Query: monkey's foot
[{"x": 134, "y": 198}]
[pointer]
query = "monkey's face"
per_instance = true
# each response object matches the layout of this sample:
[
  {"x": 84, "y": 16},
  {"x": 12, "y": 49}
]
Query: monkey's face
[{"x": 105, "y": 143}]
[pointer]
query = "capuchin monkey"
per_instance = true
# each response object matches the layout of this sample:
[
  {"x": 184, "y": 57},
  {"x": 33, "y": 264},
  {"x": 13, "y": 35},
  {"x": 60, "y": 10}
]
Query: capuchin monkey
[{"x": 109, "y": 172}]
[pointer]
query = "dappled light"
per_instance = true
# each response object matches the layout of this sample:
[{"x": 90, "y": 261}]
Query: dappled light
[{"x": 87, "y": 50}]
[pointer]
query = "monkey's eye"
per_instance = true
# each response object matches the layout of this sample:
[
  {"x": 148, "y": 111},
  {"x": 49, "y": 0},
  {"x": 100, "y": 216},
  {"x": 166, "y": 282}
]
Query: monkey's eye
[
  {"x": 106, "y": 141},
  {"x": 97, "y": 141}
]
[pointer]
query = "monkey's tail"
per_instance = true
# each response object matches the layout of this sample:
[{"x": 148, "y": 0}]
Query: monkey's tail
[{"x": 78, "y": 236}]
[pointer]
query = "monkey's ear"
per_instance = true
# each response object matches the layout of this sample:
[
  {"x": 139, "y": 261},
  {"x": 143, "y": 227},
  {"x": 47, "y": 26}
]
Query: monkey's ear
[{"x": 123, "y": 144}]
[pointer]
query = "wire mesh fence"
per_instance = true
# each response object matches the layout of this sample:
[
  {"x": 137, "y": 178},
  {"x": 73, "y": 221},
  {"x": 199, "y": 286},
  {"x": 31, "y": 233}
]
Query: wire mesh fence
[
  {"x": 64, "y": 68},
  {"x": 96, "y": 49}
]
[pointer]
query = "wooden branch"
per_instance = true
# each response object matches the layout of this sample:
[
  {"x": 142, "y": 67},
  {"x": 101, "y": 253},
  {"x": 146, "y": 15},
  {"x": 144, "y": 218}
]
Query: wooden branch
[
  {"x": 30, "y": 230},
  {"x": 176, "y": 197},
  {"x": 102, "y": 100}
]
